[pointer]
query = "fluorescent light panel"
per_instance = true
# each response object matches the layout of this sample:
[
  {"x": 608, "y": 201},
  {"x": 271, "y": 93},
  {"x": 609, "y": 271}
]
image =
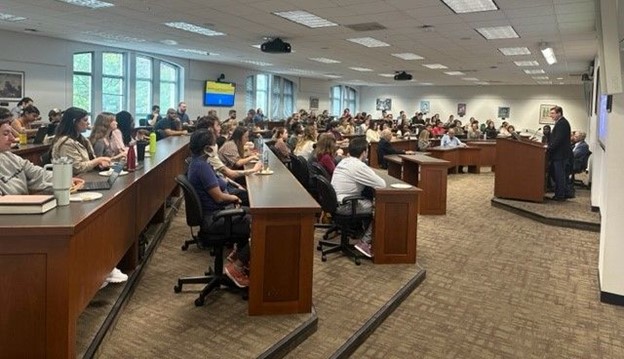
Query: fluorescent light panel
[
  {"x": 198, "y": 52},
  {"x": 544, "y": 82},
  {"x": 515, "y": 51},
  {"x": 169, "y": 42},
  {"x": 332, "y": 76},
  {"x": 435, "y": 66},
  {"x": 180, "y": 25},
  {"x": 368, "y": 42},
  {"x": 113, "y": 37},
  {"x": 425, "y": 84},
  {"x": 526, "y": 63},
  {"x": 257, "y": 63},
  {"x": 482, "y": 83},
  {"x": 549, "y": 55},
  {"x": 386, "y": 75},
  {"x": 408, "y": 56},
  {"x": 470, "y": 79},
  {"x": 92, "y": 4},
  {"x": 498, "y": 32},
  {"x": 534, "y": 72},
  {"x": 305, "y": 18},
  {"x": 361, "y": 69},
  {"x": 541, "y": 78},
  {"x": 11, "y": 18},
  {"x": 454, "y": 73},
  {"x": 467, "y": 6},
  {"x": 324, "y": 60}
]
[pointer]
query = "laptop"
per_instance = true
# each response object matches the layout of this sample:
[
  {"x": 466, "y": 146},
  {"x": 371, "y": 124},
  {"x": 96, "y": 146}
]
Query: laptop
[
  {"x": 41, "y": 133},
  {"x": 103, "y": 185}
]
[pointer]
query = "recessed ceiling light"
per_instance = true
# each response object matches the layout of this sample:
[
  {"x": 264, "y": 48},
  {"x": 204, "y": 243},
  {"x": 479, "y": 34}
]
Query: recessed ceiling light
[
  {"x": 498, "y": 32},
  {"x": 425, "y": 84},
  {"x": 470, "y": 79},
  {"x": 549, "y": 53},
  {"x": 299, "y": 71},
  {"x": 544, "y": 82},
  {"x": 515, "y": 51},
  {"x": 534, "y": 72},
  {"x": 257, "y": 63},
  {"x": 198, "y": 52},
  {"x": 540, "y": 78},
  {"x": 92, "y": 4},
  {"x": 526, "y": 63},
  {"x": 257, "y": 46},
  {"x": 482, "y": 83},
  {"x": 408, "y": 56},
  {"x": 435, "y": 66},
  {"x": 466, "y": 6},
  {"x": 305, "y": 18},
  {"x": 324, "y": 60},
  {"x": 559, "y": 78},
  {"x": 386, "y": 75},
  {"x": 11, "y": 18},
  {"x": 454, "y": 73},
  {"x": 193, "y": 28},
  {"x": 113, "y": 37},
  {"x": 331, "y": 76},
  {"x": 169, "y": 42},
  {"x": 361, "y": 69},
  {"x": 368, "y": 42}
]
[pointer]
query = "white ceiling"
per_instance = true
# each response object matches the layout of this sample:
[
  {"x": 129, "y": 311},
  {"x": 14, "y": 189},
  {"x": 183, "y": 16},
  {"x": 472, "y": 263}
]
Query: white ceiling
[{"x": 567, "y": 25}]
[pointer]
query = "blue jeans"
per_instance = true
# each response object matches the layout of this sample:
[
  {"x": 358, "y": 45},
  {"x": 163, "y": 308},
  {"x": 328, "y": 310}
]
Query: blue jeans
[{"x": 561, "y": 172}]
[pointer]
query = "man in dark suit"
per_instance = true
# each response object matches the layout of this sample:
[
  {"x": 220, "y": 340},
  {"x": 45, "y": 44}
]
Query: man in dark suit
[
  {"x": 580, "y": 151},
  {"x": 385, "y": 148},
  {"x": 560, "y": 154}
]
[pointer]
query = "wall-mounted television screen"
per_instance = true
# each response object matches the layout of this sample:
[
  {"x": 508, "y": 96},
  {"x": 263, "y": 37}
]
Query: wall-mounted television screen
[{"x": 219, "y": 93}]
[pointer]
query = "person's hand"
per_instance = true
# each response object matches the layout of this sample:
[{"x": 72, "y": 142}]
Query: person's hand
[
  {"x": 104, "y": 161},
  {"x": 253, "y": 158},
  {"x": 77, "y": 184},
  {"x": 339, "y": 152},
  {"x": 410, "y": 152},
  {"x": 184, "y": 132},
  {"x": 257, "y": 167}
]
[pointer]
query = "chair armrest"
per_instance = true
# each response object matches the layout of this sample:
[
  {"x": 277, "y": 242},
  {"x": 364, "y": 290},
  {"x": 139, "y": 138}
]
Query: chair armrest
[
  {"x": 229, "y": 213},
  {"x": 353, "y": 200}
]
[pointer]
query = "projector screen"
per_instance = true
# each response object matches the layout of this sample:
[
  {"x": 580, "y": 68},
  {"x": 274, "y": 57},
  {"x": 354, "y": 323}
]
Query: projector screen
[
  {"x": 602, "y": 114},
  {"x": 219, "y": 93}
]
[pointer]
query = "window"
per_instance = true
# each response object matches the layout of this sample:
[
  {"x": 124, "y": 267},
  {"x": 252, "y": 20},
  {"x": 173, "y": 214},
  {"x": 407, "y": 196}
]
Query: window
[
  {"x": 143, "y": 87},
  {"x": 83, "y": 79},
  {"x": 169, "y": 94},
  {"x": 113, "y": 82},
  {"x": 342, "y": 97},
  {"x": 273, "y": 94}
]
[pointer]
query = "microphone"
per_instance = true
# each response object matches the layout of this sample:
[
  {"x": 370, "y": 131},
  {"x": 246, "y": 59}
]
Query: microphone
[{"x": 535, "y": 134}]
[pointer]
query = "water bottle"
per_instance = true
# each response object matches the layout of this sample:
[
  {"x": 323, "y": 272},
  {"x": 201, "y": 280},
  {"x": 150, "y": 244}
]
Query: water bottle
[
  {"x": 265, "y": 158},
  {"x": 131, "y": 159},
  {"x": 152, "y": 142}
]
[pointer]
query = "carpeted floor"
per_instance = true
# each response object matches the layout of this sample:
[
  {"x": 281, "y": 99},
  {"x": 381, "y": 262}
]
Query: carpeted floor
[{"x": 498, "y": 286}]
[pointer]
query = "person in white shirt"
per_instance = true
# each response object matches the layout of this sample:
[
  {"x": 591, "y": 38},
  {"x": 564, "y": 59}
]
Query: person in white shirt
[
  {"x": 350, "y": 178},
  {"x": 449, "y": 140}
]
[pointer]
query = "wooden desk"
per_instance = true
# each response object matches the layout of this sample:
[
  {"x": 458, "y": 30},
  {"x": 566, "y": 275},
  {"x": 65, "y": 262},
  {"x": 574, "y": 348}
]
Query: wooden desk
[
  {"x": 31, "y": 152},
  {"x": 51, "y": 265},
  {"x": 395, "y": 166},
  {"x": 459, "y": 156},
  {"x": 430, "y": 175},
  {"x": 488, "y": 151},
  {"x": 396, "y": 222},
  {"x": 401, "y": 144},
  {"x": 282, "y": 242}
]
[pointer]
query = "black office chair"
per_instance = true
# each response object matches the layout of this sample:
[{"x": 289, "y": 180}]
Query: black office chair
[
  {"x": 579, "y": 165},
  {"x": 195, "y": 218},
  {"x": 299, "y": 168},
  {"x": 46, "y": 157},
  {"x": 348, "y": 225}
]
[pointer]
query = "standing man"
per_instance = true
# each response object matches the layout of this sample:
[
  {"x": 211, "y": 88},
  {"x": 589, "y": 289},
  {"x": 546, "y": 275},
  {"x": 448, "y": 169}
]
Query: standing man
[
  {"x": 182, "y": 115},
  {"x": 560, "y": 154}
]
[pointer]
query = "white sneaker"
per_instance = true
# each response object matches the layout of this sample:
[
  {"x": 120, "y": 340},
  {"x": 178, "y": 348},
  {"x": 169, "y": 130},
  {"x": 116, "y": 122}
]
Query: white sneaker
[{"x": 116, "y": 276}]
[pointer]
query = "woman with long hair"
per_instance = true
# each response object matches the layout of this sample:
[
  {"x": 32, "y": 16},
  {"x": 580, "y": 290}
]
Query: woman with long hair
[
  {"x": 233, "y": 152},
  {"x": 69, "y": 142},
  {"x": 282, "y": 149},
  {"x": 325, "y": 152},
  {"x": 305, "y": 146},
  {"x": 125, "y": 128},
  {"x": 102, "y": 139}
]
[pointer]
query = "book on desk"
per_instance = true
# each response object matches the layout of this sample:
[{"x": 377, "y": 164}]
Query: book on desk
[{"x": 26, "y": 204}]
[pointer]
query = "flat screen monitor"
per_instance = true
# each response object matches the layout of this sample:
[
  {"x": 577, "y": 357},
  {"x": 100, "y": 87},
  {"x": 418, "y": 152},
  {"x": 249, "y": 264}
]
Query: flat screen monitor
[{"x": 219, "y": 93}]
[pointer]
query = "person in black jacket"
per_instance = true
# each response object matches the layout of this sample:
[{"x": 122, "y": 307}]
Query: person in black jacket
[
  {"x": 560, "y": 154},
  {"x": 385, "y": 148}
]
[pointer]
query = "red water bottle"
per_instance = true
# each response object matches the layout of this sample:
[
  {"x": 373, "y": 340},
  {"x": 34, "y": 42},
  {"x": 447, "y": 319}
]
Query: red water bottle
[{"x": 131, "y": 159}]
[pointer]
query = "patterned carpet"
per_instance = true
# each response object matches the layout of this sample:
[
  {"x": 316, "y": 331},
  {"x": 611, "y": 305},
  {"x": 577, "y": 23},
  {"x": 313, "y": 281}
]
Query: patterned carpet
[{"x": 498, "y": 286}]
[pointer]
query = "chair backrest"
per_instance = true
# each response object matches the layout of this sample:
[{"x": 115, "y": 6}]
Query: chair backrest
[
  {"x": 581, "y": 163},
  {"x": 326, "y": 195},
  {"x": 194, "y": 213},
  {"x": 46, "y": 157},
  {"x": 317, "y": 169},
  {"x": 299, "y": 168}
]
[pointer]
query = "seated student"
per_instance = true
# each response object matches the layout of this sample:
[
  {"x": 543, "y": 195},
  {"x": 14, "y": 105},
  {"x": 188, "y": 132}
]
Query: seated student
[
  {"x": 424, "y": 138},
  {"x": 69, "y": 142},
  {"x": 305, "y": 146},
  {"x": 214, "y": 197},
  {"x": 295, "y": 135},
  {"x": 372, "y": 133},
  {"x": 546, "y": 134},
  {"x": 153, "y": 118},
  {"x": 350, "y": 178},
  {"x": 282, "y": 149},
  {"x": 234, "y": 153},
  {"x": 385, "y": 148},
  {"x": 473, "y": 131},
  {"x": 490, "y": 130},
  {"x": 54, "y": 116},
  {"x": 102, "y": 139},
  {"x": 23, "y": 123},
  {"x": 169, "y": 126},
  {"x": 580, "y": 152},
  {"x": 438, "y": 129},
  {"x": 125, "y": 131},
  {"x": 449, "y": 140},
  {"x": 325, "y": 152}
]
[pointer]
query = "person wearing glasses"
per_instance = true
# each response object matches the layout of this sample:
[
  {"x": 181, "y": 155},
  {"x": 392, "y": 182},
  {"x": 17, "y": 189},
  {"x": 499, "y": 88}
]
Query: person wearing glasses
[{"x": 69, "y": 142}]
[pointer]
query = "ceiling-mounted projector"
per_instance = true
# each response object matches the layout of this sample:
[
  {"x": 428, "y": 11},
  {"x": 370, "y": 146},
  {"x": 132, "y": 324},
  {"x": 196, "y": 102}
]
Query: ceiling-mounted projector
[
  {"x": 275, "y": 46},
  {"x": 402, "y": 76}
]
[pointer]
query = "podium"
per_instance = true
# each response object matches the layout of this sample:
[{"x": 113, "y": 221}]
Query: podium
[{"x": 520, "y": 170}]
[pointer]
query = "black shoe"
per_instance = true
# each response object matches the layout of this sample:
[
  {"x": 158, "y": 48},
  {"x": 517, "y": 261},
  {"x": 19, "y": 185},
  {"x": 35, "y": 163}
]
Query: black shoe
[
  {"x": 570, "y": 196},
  {"x": 558, "y": 199}
]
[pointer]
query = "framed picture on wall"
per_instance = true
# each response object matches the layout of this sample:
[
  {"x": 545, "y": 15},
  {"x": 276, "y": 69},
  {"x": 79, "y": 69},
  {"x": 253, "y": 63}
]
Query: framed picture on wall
[
  {"x": 544, "y": 114},
  {"x": 314, "y": 103},
  {"x": 11, "y": 85},
  {"x": 503, "y": 112},
  {"x": 425, "y": 106},
  {"x": 384, "y": 104},
  {"x": 461, "y": 109}
]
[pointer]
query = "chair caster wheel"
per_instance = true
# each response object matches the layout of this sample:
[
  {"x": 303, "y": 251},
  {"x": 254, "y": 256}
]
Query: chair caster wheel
[
  {"x": 199, "y": 302},
  {"x": 324, "y": 258},
  {"x": 357, "y": 262},
  {"x": 177, "y": 288},
  {"x": 246, "y": 296},
  {"x": 184, "y": 247},
  {"x": 325, "y": 237},
  {"x": 319, "y": 247}
]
